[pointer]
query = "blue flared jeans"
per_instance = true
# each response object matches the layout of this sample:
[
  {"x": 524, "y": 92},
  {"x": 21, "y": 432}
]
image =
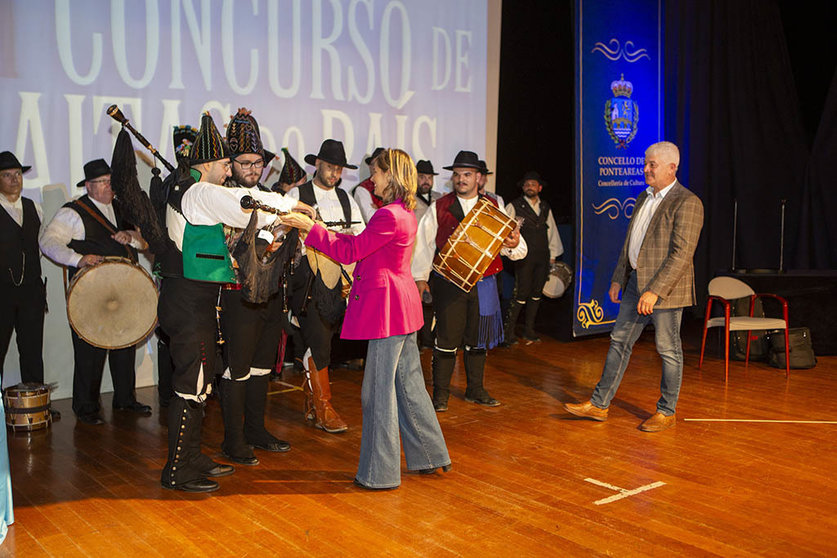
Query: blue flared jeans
[
  {"x": 395, "y": 400},
  {"x": 629, "y": 325}
]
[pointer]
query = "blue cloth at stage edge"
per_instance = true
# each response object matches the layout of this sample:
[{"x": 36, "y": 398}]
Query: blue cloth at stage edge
[{"x": 7, "y": 514}]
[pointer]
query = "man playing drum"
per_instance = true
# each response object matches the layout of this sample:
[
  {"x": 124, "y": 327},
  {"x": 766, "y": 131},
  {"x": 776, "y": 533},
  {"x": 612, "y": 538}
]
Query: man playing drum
[
  {"x": 82, "y": 234},
  {"x": 461, "y": 316}
]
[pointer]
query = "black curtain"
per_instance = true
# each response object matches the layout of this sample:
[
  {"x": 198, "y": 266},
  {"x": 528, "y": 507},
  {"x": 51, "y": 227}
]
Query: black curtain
[
  {"x": 816, "y": 246},
  {"x": 731, "y": 106}
]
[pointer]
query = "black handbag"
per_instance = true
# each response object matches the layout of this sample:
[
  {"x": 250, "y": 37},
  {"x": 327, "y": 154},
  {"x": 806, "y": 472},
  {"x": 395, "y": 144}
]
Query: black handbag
[{"x": 799, "y": 344}]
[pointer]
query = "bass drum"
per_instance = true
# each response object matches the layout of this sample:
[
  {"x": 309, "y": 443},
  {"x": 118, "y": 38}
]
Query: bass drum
[
  {"x": 112, "y": 305},
  {"x": 560, "y": 277},
  {"x": 27, "y": 407}
]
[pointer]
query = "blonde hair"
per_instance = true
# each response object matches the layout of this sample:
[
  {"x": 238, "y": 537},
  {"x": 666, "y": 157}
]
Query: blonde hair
[{"x": 403, "y": 177}]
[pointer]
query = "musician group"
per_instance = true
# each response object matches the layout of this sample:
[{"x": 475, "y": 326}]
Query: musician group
[{"x": 241, "y": 262}]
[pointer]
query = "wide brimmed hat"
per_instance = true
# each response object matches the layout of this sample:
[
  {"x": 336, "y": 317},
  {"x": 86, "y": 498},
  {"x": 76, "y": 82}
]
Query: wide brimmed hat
[
  {"x": 183, "y": 137},
  {"x": 484, "y": 168},
  {"x": 465, "y": 159},
  {"x": 425, "y": 167},
  {"x": 531, "y": 175},
  {"x": 93, "y": 170},
  {"x": 378, "y": 151},
  {"x": 243, "y": 136},
  {"x": 292, "y": 172},
  {"x": 9, "y": 161},
  {"x": 209, "y": 145},
  {"x": 331, "y": 151}
]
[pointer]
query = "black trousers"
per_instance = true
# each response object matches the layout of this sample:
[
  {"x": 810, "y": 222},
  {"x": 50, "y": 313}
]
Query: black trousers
[
  {"x": 89, "y": 363},
  {"x": 530, "y": 275},
  {"x": 251, "y": 332},
  {"x": 22, "y": 311},
  {"x": 186, "y": 310},
  {"x": 425, "y": 334},
  {"x": 317, "y": 334},
  {"x": 457, "y": 314}
]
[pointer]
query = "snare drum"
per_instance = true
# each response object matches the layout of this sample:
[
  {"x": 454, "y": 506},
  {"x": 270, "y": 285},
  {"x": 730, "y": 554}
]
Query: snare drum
[
  {"x": 112, "y": 305},
  {"x": 473, "y": 245},
  {"x": 27, "y": 407}
]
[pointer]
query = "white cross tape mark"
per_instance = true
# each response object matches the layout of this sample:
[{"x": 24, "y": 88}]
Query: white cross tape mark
[
  {"x": 623, "y": 492},
  {"x": 765, "y": 421}
]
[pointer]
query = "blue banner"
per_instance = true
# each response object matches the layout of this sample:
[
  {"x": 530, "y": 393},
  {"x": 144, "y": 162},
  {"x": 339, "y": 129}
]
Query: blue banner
[{"x": 618, "y": 78}]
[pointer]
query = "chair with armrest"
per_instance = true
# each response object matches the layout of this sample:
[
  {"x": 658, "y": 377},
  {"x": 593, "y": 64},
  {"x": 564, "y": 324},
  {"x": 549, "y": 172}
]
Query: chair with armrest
[{"x": 724, "y": 289}]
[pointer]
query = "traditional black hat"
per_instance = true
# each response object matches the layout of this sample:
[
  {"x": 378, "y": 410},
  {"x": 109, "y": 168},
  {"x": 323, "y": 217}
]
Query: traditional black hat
[
  {"x": 531, "y": 175},
  {"x": 183, "y": 138},
  {"x": 466, "y": 159},
  {"x": 425, "y": 167},
  {"x": 331, "y": 151},
  {"x": 93, "y": 170},
  {"x": 209, "y": 145},
  {"x": 378, "y": 151},
  {"x": 243, "y": 136},
  {"x": 9, "y": 161},
  {"x": 291, "y": 171},
  {"x": 484, "y": 168}
]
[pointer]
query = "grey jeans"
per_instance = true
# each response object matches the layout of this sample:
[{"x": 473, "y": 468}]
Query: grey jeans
[{"x": 394, "y": 400}]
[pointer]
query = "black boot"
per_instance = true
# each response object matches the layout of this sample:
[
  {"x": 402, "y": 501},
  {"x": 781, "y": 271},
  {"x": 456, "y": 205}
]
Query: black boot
[
  {"x": 183, "y": 468},
  {"x": 512, "y": 316},
  {"x": 529, "y": 320},
  {"x": 234, "y": 447},
  {"x": 474, "y": 373},
  {"x": 443, "y": 365},
  {"x": 255, "y": 402}
]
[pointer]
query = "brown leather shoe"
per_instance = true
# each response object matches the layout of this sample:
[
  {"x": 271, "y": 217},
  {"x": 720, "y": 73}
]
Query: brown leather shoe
[
  {"x": 657, "y": 422},
  {"x": 586, "y": 410}
]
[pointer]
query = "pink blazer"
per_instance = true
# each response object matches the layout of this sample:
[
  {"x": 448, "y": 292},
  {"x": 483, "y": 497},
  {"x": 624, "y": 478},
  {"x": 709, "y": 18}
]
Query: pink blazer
[{"x": 384, "y": 300}]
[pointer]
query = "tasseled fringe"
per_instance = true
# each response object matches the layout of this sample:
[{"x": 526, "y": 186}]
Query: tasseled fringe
[
  {"x": 491, "y": 330},
  {"x": 491, "y": 315}
]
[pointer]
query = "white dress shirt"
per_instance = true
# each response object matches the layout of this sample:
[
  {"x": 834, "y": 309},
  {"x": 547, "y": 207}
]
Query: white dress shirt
[
  {"x": 330, "y": 209},
  {"x": 66, "y": 226},
  {"x": 421, "y": 207},
  {"x": 556, "y": 247},
  {"x": 643, "y": 219},
  {"x": 426, "y": 240},
  {"x": 210, "y": 204},
  {"x": 365, "y": 203},
  {"x": 15, "y": 209}
]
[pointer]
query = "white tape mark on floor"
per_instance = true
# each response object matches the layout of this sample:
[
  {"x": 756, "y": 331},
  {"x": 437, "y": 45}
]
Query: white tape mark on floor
[
  {"x": 765, "y": 420},
  {"x": 623, "y": 492}
]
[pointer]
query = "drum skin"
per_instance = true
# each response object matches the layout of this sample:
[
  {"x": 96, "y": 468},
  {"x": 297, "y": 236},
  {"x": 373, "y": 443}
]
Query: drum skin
[
  {"x": 27, "y": 407},
  {"x": 112, "y": 305},
  {"x": 473, "y": 245}
]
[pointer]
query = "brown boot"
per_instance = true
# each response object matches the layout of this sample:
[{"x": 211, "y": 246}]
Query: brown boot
[{"x": 325, "y": 416}]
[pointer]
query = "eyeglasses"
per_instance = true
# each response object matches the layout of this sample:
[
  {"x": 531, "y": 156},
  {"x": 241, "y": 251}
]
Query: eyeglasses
[
  {"x": 105, "y": 181},
  {"x": 245, "y": 165}
]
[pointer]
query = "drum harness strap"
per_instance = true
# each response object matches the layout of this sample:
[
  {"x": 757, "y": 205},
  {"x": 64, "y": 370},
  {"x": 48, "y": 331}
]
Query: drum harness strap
[{"x": 107, "y": 227}]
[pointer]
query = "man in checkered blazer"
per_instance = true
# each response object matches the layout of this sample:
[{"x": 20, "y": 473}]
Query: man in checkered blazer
[{"x": 655, "y": 273}]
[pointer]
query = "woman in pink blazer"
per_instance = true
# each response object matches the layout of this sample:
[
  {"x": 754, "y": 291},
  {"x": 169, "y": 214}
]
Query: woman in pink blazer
[{"x": 384, "y": 307}]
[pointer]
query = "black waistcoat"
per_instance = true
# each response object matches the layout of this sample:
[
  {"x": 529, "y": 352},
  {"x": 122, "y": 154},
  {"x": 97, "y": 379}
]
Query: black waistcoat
[
  {"x": 534, "y": 229},
  {"x": 18, "y": 245},
  {"x": 97, "y": 238}
]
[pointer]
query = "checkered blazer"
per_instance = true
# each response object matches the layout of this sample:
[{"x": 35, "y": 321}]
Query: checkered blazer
[{"x": 665, "y": 265}]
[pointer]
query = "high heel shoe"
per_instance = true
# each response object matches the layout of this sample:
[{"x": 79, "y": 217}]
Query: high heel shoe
[{"x": 431, "y": 470}]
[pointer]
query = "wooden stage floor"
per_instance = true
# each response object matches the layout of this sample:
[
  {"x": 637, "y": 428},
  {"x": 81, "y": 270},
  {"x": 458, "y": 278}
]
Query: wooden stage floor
[{"x": 527, "y": 479}]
